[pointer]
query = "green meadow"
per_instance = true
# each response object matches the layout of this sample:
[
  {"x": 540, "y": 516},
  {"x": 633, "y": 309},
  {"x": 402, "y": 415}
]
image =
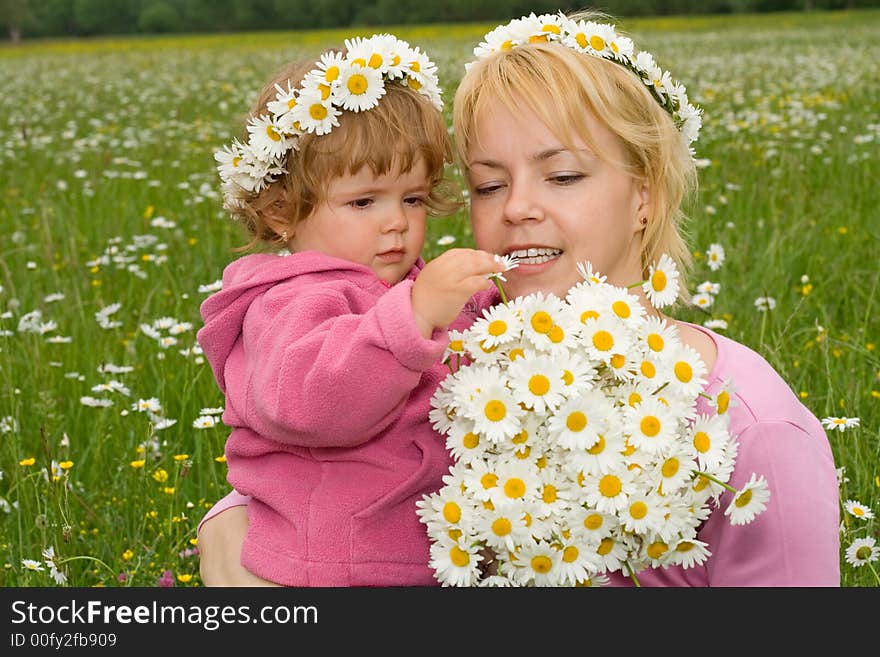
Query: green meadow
[{"x": 111, "y": 447}]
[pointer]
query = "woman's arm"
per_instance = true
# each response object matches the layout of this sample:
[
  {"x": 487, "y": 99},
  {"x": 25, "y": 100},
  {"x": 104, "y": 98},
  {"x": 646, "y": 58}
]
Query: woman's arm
[{"x": 220, "y": 539}]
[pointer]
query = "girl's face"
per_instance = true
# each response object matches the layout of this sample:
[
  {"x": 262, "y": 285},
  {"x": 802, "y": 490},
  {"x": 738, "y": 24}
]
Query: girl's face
[
  {"x": 532, "y": 197},
  {"x": 377, "y": 221}
]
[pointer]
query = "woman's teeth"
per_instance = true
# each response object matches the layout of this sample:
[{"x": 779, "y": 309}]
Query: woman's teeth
[{"x": 535, "y": 256}]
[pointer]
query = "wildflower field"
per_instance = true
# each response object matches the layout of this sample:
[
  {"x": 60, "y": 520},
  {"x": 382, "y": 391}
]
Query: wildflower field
[{"x": 111, "y": 447}]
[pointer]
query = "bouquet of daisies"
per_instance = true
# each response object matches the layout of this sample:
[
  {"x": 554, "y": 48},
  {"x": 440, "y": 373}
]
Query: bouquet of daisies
[{"x": 578, "y": 448}]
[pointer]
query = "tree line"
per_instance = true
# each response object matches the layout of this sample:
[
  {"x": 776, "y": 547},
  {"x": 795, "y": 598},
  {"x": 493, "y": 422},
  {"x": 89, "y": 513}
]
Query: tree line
[{"x": 70, "y": 18}]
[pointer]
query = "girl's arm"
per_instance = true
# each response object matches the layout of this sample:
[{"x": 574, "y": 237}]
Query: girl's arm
[{"x": 318, "y": 375}]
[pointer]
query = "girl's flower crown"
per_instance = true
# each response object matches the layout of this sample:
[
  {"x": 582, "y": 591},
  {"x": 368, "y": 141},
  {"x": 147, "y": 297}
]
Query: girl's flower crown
[
  {"x": 599, "y": 40},
  {"x": 354, "y": 81}
]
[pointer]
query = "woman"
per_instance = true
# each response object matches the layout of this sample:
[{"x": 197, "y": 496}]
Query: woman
[{"x": 576, "y": 148}]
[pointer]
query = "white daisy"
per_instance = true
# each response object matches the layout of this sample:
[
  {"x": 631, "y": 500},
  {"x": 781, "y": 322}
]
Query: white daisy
[
  {"x": 502, "y": 527},
  {"x": 725, "y": 398},
  {"x": 455, "y": 563},
  {"x": 360, "y": 88},
  {"x": 862, "y": 551},
  {"x": 463, "y": 443},
  {"x": 604, "y": 337},
  {"x": 499, "y": 325},
  {"x": 659, "y": 335},
  {"x": 30, "y": 564},
  {"x": 518, "y": 481},
  {"x": 749, "y": 501},
  {"x": 580, "y": 421},
  {"x": 859, "y": 510},
  {"x": 662, "y": 286},
  {"x": 608, "y": 492},
  {"x": 688, "y": 370},
  {"x": 650, "y": 426},
  {"x": 496, "y": 413},
  {"x": 578, "y": 561},
  {"x": 585, "y": 269},
  {"x": 313, "y": 113},
  {"x": 537, "y": 564},
  {"x": 689, "y": 553},
  {"x": 708, "y": 440},
  {"x": 537, "y": 382},
  {"x": 267, "y": 139},
  {"x": 673, "y": 471},
  {"x": 715, "y": 256},
  {"x": 643, "y": 513},
  {"x": 605, "y": 455},
  {"x": 840, "y": 423}
]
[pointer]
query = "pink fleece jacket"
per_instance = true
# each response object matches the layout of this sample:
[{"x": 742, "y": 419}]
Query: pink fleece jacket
[{"x": 328, "y": 384}]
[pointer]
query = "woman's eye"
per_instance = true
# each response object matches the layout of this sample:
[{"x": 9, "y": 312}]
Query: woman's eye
[
  {"x": 566, "y": 178},
  {"x": 487, "y": 189}
]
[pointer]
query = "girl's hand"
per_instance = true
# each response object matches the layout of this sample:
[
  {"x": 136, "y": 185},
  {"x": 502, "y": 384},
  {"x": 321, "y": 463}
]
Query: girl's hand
[{"x": 446, "y": 283}]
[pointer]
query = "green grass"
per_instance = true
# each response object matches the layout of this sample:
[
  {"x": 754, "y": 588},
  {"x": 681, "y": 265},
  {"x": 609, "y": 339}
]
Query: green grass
[{"x": 101, "y": 137}]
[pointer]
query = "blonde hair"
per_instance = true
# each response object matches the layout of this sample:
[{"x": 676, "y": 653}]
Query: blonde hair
[
  {"x": 402, "y": 128},
  {"x": 560, "y": 86}
]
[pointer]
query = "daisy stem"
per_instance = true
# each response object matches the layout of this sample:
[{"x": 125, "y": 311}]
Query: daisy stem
[
  {"x": 61, "y": 562},
  {"x": 632, "y": 575},
  {"x": 629, "y": 287},
  {"x": 717, "y": 481},
  {"x": 500, "y": 290},
  {"x": 876, "y": 576}
]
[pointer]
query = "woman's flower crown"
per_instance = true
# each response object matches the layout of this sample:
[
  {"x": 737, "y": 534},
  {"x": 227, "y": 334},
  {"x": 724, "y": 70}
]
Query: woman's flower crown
[
  {"x": 599, "y": 40},
  {"x": 354, "y": 81}
]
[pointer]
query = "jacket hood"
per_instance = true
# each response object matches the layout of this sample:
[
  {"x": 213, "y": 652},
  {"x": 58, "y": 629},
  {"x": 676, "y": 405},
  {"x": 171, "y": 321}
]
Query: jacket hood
[{"x": 245, "y": 279}]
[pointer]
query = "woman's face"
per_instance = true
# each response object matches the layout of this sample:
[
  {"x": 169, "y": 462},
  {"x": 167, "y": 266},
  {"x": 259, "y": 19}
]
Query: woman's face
[{"x": 534, "y": 198}]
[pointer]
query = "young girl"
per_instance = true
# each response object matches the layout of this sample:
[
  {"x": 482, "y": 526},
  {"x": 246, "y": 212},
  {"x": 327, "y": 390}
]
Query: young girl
[
  {"x": 328, "y": 356},
  {"x": 597, "y": 172}
]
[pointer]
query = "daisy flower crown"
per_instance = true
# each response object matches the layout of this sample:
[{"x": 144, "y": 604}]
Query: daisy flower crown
[
  {"x": 599, "y": 40},
  {"x": 354, "y": 81}
]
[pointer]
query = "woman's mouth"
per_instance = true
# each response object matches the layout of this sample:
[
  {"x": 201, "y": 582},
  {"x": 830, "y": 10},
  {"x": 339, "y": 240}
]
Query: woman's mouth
[{"x": 534, "y": 255}]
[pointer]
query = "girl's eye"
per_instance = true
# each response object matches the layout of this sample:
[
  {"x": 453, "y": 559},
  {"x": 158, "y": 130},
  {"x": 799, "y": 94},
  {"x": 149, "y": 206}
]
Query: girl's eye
[
  {"x": 566, "y": 178},
  {"x": 361, "y": 203},
  {"x": 414, "y": 201}
]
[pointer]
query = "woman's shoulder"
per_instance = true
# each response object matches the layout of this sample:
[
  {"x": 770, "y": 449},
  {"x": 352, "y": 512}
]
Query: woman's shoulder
[{"x": 759, "y": 390}]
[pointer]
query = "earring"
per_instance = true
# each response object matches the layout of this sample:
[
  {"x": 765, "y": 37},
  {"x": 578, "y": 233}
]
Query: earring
[{"x": 643, "y": 221}]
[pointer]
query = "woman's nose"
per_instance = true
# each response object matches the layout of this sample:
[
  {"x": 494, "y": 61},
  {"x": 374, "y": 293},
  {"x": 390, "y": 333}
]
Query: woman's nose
[{"x": 521, "y": 204}]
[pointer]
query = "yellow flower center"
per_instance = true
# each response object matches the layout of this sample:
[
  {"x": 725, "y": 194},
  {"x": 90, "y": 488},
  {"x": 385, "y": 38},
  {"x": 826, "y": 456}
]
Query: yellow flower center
[
  {"x": 650, "y": 425},
  {"x": 702, "y": 442},
  {"x": 516, "y": 353},
  {"x": 670, "y": 467},
  {"x": 621, "y": 309},
  {"x": 325, "y": 91},
  {"x": 542, "y": 322},
  {"x": 549, "y": 494},
  {"x": 567, "y": 377},
  {"x": 618, "y": 361},
  {"x": 570, "y": 554},
  {"x": 648, "y": 369},
  {"x": 723, "y": 402},
  {"x": 273, "y": 134},
  {"x": 593, "y": 521},
  {"x": 331, "y": 73},
  {"x": 634, "y": 399},
  {"x": 459, "y": 557},
  {"x": 576, "y": 421},
  {"x": 657, "y": 549},
  {"x": 655, "y": 342},
  {"x": 556, "y": 334},
  {"x": 610, "y": 485},
  {"x": 638, "y": 510},
  {"x": 605, "y": 546},
  {"x": 658, "y": 281},
  {"x": 375, "y": 60},
  {"x": 597, "y": 42},
  {"x": 495, "y": 410},
  {"x": 683, "y": 371},
  {"x": 744, "y": 498},
  {"x": 451, "y": 512},
  {"x": 684, "y": 546},
  {"x": 589, "y": 314},
  {"x": 318, "y": 112},
  {"x": 497, "y": 328},
  {"x": 489, "y": 480},
  {"x": 581, "y": 39},
  {"x": 501, "y": 527},
  {"x": 539, "y": 385},
  {"x": 470, "y": 440},
  {"x": 456, "y": 345},
  {"x": 541, "y": 564},
  {"x": 603, "y": 340},
  {"x": 357, "y": 84},
  {"x": 515, "y": 488}
]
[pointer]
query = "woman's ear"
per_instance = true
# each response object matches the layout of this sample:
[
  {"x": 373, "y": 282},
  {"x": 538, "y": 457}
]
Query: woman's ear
[{"x": 643, "y": 210}]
